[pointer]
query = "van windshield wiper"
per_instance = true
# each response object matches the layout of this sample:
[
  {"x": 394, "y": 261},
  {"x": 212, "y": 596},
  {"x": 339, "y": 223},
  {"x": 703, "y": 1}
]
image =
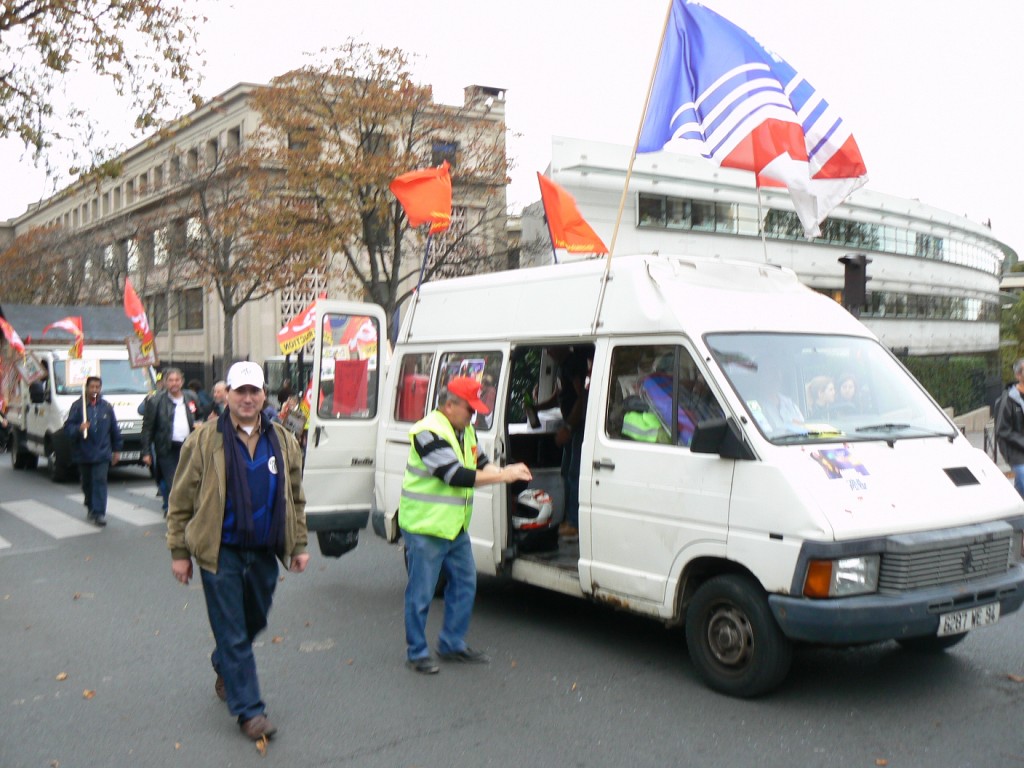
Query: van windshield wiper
[{"x": 890, "y": 427}]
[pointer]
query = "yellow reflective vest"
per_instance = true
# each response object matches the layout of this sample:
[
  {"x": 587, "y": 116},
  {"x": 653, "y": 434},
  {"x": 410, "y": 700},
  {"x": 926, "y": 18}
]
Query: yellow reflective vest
[
  {"x": 644, "y": 427},
  {"x": 429, "y": 505}
]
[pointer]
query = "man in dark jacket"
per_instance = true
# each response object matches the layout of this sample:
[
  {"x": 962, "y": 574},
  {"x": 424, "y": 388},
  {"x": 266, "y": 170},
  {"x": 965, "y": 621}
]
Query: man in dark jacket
[
  {"x": 1010, "y": 426},
  {"x": 170, "y": 417},
  {"x": 95, "y": 445}
]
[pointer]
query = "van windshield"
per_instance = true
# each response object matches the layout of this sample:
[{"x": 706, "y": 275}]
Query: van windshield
[
  {"x": 119, "y": 378},
  {"x": 804, "y": 388}
]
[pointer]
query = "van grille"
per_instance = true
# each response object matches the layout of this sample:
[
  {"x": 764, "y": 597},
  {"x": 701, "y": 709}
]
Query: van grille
[{"x": 933, "y": 563}]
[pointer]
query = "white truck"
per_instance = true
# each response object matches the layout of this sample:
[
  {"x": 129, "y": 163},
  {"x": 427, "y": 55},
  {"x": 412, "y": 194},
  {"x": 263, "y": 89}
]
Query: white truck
[
  {"x": 749, "y": 514},
  {"x": 37, "y": 413}
]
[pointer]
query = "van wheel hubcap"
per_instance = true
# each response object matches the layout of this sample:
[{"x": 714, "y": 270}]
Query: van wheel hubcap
[{"x": 730, "y": 637}]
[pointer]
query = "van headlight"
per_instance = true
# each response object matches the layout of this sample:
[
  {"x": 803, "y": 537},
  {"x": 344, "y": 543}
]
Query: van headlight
[{"x": 843, "y": 577}]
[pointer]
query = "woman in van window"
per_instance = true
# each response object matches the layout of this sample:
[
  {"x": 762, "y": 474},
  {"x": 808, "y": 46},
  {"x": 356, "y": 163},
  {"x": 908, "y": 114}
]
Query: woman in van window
[{"x": 821, "y": 396}]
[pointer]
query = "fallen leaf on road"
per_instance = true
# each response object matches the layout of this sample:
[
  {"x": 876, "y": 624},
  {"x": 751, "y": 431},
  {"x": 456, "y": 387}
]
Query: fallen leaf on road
[
  {"x": 62, "y": 676},
  {"x": 573, "y": 686},
  {"x": 277, "y": 639},
  {"x": 514, "y": 663},
  {"x": 881, "y": 761},
  {"x": 146, "y": 533},
  {"x": 261, "y": 745},
  {"x": 76, "y": 596},
  {"x": 177, "y": 745},
  {"x": 87, "y": 694},
  {"x": 55, "y": 764},
  {"x": 1016, "y": 678},
  {"x": 349, "y": 661},
  {"x": 88, "y": 558}
]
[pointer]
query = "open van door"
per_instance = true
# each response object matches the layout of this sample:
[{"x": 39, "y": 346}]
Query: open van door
[{"x": 349, "y": 362}]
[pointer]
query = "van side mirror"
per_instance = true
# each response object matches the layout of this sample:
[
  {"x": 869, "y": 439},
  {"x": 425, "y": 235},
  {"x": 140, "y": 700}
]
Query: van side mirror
[
  {"x": 37, "y": 392},
  {"x": 721, "y": 436}
]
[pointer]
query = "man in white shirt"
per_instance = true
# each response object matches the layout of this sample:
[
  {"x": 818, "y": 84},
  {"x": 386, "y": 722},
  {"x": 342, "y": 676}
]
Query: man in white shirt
[{"x": 169, "y": 419}]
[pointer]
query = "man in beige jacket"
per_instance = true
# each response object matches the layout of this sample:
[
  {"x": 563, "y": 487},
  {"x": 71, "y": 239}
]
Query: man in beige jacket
[{"x": 237, "y": 506}]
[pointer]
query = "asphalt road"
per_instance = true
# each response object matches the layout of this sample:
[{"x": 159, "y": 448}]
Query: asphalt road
[{"x": 571, "y": 684}]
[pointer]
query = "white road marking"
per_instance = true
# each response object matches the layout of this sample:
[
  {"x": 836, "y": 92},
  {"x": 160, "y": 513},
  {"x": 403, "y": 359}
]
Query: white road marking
[
  {"x": 127, "y": 511},
  {"x": 50, "y": 521}
]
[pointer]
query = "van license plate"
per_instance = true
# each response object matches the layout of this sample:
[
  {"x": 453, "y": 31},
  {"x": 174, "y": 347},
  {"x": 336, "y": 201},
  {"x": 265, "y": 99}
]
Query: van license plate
[
  {"x": 960, "y": 621},
  {"x": 130, "y": 455}
]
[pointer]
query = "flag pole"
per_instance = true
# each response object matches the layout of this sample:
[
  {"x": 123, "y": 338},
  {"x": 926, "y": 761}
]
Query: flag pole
[
  {"x": 629, "y": 168},
  {"x": 85, "y": 413},
  {"x": 419, "y": 282},
  {"x": 639, "y": 130}
]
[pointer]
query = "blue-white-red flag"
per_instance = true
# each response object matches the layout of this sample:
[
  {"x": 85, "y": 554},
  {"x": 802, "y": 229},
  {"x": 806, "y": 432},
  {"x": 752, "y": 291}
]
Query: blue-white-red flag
[{"x": 718, "y": 90}]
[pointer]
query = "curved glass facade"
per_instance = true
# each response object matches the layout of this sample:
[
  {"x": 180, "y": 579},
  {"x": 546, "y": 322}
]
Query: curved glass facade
[{"x": 664, "y": 212}]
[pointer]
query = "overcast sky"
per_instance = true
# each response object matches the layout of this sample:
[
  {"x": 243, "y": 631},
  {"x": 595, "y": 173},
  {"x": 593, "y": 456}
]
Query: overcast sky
[{"x": 931, "y": 88}]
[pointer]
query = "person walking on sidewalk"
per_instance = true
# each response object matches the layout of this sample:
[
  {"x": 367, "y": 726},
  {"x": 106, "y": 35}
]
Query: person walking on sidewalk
[
  {"x": 444, "y": 466},
  {"x": 95, "y": 445},
  {"x": 1010, "y": 426},
  {"x": 238, "y": 494}
]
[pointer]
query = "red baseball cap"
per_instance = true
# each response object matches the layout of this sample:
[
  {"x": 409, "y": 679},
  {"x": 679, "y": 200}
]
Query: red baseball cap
[{"x": 469, "y": 390}]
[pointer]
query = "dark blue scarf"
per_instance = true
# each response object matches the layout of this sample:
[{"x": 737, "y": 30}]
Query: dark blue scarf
[{"x": 238, "y": 486}]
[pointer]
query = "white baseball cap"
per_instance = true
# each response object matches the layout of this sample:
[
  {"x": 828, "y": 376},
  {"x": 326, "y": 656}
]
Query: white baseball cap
[{"x": 245, "y": 374}]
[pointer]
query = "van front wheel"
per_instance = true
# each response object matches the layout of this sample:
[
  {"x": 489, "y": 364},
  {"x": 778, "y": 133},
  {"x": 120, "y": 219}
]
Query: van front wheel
[{"x": 734, "y": 642}]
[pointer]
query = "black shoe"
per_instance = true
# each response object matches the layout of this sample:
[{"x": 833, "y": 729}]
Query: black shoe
[
  {"x": 425, "y": 666},
  {"x": 100, "y": 520},
  {"x": 467, "y": 656}
]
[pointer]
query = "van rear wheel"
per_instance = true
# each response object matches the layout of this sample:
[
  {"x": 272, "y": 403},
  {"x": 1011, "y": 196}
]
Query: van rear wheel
[{"x": 734, "y": 641}]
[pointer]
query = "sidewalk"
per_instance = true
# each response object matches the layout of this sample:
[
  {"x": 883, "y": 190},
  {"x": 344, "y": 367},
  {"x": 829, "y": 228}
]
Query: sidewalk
[{"x": 977, "y": 438}]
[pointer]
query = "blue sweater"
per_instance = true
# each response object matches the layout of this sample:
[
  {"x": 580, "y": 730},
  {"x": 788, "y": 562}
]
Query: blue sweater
[{"x": 104, "y": 435}]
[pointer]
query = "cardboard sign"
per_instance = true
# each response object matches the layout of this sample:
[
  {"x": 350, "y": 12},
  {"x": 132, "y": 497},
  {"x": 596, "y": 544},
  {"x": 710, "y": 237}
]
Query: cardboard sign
[
  {"x": 141, "y": 355},
  {"x": 77, "y": 370},
  {"x": 29, "y": 368}
]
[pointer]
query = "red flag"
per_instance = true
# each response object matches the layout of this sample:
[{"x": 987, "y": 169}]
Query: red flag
[
  {"x": 298, "y": 331},
  {"x": 12, "y": 336},
  {"x": 426, "y": 196},
  {"x": 568, "y": 228},
  {"x": 137, "y": 314},
  {"x": 72, "y": 325}
]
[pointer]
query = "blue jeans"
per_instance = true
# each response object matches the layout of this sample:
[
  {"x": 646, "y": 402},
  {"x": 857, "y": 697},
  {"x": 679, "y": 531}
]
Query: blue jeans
[
  {"x": 94, "y": 486},
  {"x": 238, "y": 598},
  {"x": 427, "y": 557},
  {"x": 1018, "y": 478},
  {"x": 572, "y": 452}
]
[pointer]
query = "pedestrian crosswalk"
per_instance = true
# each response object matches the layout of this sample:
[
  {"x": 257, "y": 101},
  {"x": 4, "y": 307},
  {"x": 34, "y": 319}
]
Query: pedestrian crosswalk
[{"x": 68, "y": 521}]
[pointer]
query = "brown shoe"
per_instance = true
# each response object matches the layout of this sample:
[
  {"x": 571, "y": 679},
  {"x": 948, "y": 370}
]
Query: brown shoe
[
  {"x": 257, "y": 727},
  {"x": 220, "y": 689}
]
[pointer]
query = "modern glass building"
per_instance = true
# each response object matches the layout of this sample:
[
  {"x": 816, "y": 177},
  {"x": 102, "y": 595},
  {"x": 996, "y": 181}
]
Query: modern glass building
[{"x": 933, "y": 287}]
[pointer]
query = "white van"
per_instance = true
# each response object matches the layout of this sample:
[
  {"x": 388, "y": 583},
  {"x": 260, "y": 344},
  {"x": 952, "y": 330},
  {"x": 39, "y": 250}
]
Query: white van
[
  {"x": 37, "y": 413},
  {"x": 752, "y": 512}
]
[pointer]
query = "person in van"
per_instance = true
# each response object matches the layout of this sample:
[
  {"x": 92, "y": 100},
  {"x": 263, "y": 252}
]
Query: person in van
[
  {"x": 444, "y": 466},
  {"x": 774, "y": 410},
  {"x": 821, "y": 396},
  {"x": 571, "y": 396}
]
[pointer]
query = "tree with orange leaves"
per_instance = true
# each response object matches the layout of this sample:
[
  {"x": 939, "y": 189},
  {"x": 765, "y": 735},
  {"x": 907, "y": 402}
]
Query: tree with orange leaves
[{"x": 341, "y": 132}]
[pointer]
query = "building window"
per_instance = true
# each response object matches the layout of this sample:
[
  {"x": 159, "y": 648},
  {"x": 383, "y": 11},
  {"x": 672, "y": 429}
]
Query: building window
[
  {"x": 190, "y": 310},
  {"x": 444, "y": 150},
  {"x": 651, "y": 210},
  {"x": 156, "y": 311},
  {"x": 158, "y": 178},
  {"x": 234, "y": 139}
]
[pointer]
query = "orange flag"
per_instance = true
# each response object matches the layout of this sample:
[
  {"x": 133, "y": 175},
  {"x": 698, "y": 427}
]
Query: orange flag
[
  {"x": 137, "y": 314},
  {"x": 72, "y": 325},
  {"x": 426, "y": 196},
  {"x": 12, "y": 336},
  {"x": 568, "y": 228}
]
